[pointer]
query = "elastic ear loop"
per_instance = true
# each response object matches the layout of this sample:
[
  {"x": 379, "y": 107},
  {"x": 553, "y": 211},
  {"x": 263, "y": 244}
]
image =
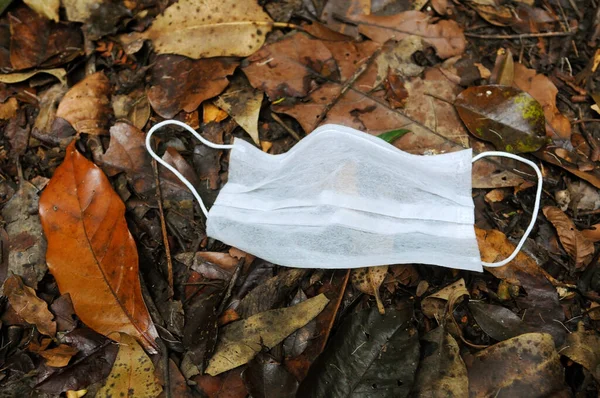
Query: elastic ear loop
[
  {"x": 171, "y": 168},
  {"x": 536, "y": 207}
]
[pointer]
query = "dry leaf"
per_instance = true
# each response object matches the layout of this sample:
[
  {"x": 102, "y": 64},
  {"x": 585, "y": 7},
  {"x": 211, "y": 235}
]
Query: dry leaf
[
  {"x": 86, "y": 106},
  {"x": 79, "y": 10},
  {"x": 60, "y": 356},
  {"x": 242, "y": 103},
  {"x": 9, "y": 108},
  {"x": 240, "y": 341},
  {"x": 49, "y": 101},
  {"x": 59, "y": 73},
  {"x": 132, "y": 374},
  {"x": 369, "y": 280},
  {"x": 287, "y": 68},
  {"x": 592, "y": 234},
  {"x": 178, "y": 83},
  {"x": 212, "y": 113},
  {"x": 45, "y": 8},
  {"x": 209, "y": 28},
  {"x": 29, "y": 306},
  {"x": 438, "y": 304},
  {"x": 133, "y": 107},
  {"x": 583, "y": 347},
  {"x": 572, "y": 240},
  {"x": 544, "y": 91},
  {"x": 344, "y": 8},
  {"x": 446, "y": 36},
  {"x": 84, "y": 222}
]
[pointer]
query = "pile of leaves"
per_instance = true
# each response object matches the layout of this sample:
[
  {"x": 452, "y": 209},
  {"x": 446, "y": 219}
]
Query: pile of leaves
[{"x": 111, "y": 287}]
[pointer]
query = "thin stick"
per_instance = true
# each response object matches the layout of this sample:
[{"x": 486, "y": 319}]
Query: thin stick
[
  {"x": 585, "y": 121},
  {"x": 521, "y": 36},
  {"x": 163, "y": 226},
  {"x": 285, "y": 126}
]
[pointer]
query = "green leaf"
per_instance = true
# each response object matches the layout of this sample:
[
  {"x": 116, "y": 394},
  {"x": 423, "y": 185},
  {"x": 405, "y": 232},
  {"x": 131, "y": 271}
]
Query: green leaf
[
  {"x": 393, "y": 135},
  {"x": 509, "y": 118},
  {"x": 371, "y": 355},
  {"x": 4, "y": 4}
]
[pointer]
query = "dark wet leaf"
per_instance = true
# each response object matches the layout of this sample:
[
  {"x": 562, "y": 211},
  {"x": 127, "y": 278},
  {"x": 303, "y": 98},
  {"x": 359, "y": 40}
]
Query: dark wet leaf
[
  {"x": 583, "y": 347},
  {"x": 200, "y": 327},
  {"x": 497, "y": 322},
  {"x": 507, "y": 117},
  {"x": 371, "y": 354},
  {"x": 265, "y": 378},
  {"x": 442, "y": 371},
  {"x": 4, "y": 4},
  {"x": 393, "y": 135},
  {"x": 524, "y": 366},
  {"x": 295, "y": 344}
]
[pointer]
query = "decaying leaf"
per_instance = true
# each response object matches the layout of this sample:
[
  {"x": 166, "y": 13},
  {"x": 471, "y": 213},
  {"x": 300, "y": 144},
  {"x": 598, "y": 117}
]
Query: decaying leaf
[
  {"x": 45, "y": 8},
  {"x": 209, "y": 28},
  {"x": 84, "y": 222},
  {"x": 242, "y": 103},
  {"x": 9, "y": 108},
  {"x": 575, "y": 244},
  {"x": 59, "y": 73},
  {"x": 439, "y": 304},
  {"x": 133, "y": 107},
  {"x": 87, "y": 106},
  {"x": 27, "y": 247},
  {"x": 539, "y": 372},
  {"x": 29, "y": 306},
  {"x": 266, "y": 378},
  {"x": 295, "y": 343},
  {"x": 79, "y": 10},
  {"x": 178, "y": 83},
  {"x": 333, "y": 9},
  {"x": 370, "y": 355},
  {"x": 369, "y": 280},
  {"x": 60, "y": 356},
  {"x": 507, "y": 117},
  {"x": 442, "y": 371},
  {"x": 49, "y": 101},
  {"x": 445, "y": 36},
  {"x": 497, "y": 322},
  {"x": 583, "y": 347},
  {"x": 132, "y": 374},
  {"x": 240, "y": 341}
]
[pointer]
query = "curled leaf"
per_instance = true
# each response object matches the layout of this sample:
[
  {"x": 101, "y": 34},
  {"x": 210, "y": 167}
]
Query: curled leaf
[
  {"x": 29, "y": 306},
  {"x": 574, "y": 242}
]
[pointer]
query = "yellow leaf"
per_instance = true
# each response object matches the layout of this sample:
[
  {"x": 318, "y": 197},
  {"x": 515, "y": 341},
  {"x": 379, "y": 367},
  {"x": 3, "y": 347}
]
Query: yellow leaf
[
  {"x": 60, "y": 356},
  {"x": 9, "y": 108},
  {"x": 368, "y": 280},
  {"x": 59, "y": 73},
  {"x": 209, "y": 28},
  {"x": 132, "y": 374},
  {"x": 240, "y": 341},
  {"x": 45, "y": 8}
]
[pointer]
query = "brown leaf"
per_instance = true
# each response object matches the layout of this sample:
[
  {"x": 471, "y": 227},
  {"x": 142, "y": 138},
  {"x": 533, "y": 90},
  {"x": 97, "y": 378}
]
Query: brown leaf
[
  {"x": 9, "y": 108},
  {"x": 242, "y": 103},
  {"x": 446, "y": 36},
  {"x": 287, "y": 68},
  {"x": 49, "y": 101},
  {"x": 507, "y": 117},
  {"x": 132, "y": 374},
  {"x": 133, "y": 107},
  {"x": 335, "y": 8},
  {"x": 29, "y": 306},
  {"x": 59, "y": 73},
  {"x": 572, "y": 240},
  {"x": 369, "y": 280},
  {"x": 583, "y": 347},
  {"x": 87, "y": 106},
  {"x": 210, "y": 28},
  {"x": 27, "y": 246},
  {"x": 37, "y": 42},
  {"x": 592, "y": 234},
  {"x": 84, "y": 222},
  {"x": 539, "y": 372},
  {"x": 178, "y": 83},
  {"x": 439, "y": 304},
  {"x": 60, "y": 356},
  {"x": 544, "y": 91},
  {"x": 127, "y": 153}
]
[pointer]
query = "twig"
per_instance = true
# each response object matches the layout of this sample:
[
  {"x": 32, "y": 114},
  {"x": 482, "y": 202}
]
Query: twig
[
  {"x": 585, "y": 121},
  {"x": 163, "y": 226},
  {"x": 595, "y": 155},
  {"x": 285, "y": 126},
  {"x": 337, "y": 307},
  {"x": 232, "y": 282},
  {"x": 519, "y": 36}
]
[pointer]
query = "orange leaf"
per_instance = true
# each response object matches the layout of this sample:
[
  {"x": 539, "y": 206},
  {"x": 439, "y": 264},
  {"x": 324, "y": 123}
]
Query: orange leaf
[
  {"x": 30, "y": 307},
  {"x": 91, "y": 253},
  {"x": 60, "y": 356}
]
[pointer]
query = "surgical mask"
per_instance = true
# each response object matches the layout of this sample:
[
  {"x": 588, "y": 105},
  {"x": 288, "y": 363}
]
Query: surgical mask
[{"x": 341, "y": 198}]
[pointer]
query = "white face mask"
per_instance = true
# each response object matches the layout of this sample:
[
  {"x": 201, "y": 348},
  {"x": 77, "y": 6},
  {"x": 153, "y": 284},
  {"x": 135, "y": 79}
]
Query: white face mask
[{"x": 341, "y": 198}]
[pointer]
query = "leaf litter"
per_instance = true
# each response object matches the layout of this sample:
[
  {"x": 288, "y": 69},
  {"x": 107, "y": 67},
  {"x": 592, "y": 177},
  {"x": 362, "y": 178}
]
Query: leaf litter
[{"x": 102, "y": 73}]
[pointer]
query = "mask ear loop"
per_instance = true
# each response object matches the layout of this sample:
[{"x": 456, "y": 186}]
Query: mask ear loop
[
  {"x": 536, "y": 207},
  {"x": 171, "y": 168}
]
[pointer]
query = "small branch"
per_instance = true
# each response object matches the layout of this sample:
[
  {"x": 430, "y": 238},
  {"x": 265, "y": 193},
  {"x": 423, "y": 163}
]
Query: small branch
[
  {"x": 163, "y": 226},
  {"x": 585, "y": 121},
  {"x": 520, "y": 36},
  {"x": 285, "y": 126}
]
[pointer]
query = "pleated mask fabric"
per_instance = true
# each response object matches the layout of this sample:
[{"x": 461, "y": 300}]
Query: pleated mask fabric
[{"x": 341, "y": 198}]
